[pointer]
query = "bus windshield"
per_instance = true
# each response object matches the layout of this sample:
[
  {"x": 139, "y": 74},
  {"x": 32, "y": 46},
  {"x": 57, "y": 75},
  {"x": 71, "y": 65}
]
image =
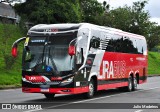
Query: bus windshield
[{"x": 48, "y": 54}]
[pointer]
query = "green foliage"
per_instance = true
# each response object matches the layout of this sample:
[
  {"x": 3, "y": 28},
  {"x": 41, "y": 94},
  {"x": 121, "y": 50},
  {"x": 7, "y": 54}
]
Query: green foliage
[
  {"x": 90, "y": 10},
  {"x": 153, "y": 37},
  {"x": 132, "y": 19},
  {"x": 10, "y": 68},
  {"x": 153, "y": 63},
  {"x": 11, "y": 78},
  {"x": 50, "y": 11},
  {"x": 6, "y": 36}
]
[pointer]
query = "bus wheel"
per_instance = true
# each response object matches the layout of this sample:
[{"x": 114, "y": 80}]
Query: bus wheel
[
  {"x": 91, "y": 88},
  {"x": 129, "y": 87},
  {"x": 134, "y": 84},
  {"x": 49, "y": 96},
  {"x": 130, "y": 84}
]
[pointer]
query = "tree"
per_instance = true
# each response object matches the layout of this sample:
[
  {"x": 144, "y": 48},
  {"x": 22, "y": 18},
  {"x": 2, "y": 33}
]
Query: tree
[
  {"x": 153, "y": 37},
  {"x": 50, "y": 11},
  {"x": 11, "y": 1},
  {"x": 90, "y": 10},
  {"x": 132, "y": 19}
]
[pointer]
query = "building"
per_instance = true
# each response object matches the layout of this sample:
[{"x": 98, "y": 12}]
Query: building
[{"x": 7, "y": 14}]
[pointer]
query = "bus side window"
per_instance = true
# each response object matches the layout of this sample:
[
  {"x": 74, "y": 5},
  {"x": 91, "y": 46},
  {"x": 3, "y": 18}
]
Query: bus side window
[
  {"x": 95, "y": 42},
  {"x": 83, "y": 42},
  {"x": 140, "y": 46},
  {"x": 79, "y": 58},
  {"x": 118, "y": 43},
  {"x": 129, "y": 45},
  {"x": 114, "y": 43},
  {"x": 28, "y": 56},
  {"x": 144, "y": 47}
]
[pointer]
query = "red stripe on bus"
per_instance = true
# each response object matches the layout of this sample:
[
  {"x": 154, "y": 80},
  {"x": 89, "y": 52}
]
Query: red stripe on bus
[{"x": 110, "y": 86}]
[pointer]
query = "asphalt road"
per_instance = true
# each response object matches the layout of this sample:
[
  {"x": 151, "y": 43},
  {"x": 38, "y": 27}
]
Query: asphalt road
[{"x": 146, "y": 93}]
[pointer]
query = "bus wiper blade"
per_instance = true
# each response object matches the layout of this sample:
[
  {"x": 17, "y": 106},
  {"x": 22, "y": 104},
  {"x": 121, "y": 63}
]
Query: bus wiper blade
[
  {"x": 41, "y": 56},
  {"x": 53, "y": 63}
]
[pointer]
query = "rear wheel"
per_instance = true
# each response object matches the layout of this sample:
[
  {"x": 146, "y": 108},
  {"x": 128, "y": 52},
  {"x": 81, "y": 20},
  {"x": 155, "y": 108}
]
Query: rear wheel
[
  {"x": 130, "y": 84},
  {"x": 129, "y": 87},
  {"x": 91, "y": 88},
  {"x": 134, "y": 84},
  {"x": 49, "y": 96}
]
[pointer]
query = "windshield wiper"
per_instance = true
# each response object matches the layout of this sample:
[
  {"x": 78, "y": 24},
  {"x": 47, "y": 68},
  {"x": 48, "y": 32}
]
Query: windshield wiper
[
  {"x": 52, "y": 61},
  {"x": 43, "y": 57}
]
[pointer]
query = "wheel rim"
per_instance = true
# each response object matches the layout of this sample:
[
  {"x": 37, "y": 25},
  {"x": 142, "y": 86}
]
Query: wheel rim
[
  {"x": 130, "y": 85},
  {"x": 135, "y": 83},
  {"x": 91, "y": 89}
]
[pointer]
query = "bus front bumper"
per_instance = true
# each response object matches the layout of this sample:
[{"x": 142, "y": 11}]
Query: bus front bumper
[{"x": 76, "y": 90}]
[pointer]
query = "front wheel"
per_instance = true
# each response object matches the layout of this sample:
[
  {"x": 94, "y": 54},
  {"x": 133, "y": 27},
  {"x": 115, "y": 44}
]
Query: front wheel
[
  {"x": 49, "y": 96},
  {"x": 91, "y": 88}
]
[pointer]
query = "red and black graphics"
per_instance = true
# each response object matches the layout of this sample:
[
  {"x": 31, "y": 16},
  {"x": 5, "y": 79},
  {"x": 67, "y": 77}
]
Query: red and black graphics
[
  {"x": 65, "y": 58},
  {"x": 35, "y": 80}
]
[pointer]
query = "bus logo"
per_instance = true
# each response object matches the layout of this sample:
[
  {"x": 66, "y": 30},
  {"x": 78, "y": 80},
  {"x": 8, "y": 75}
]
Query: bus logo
[{"x": 112, "y": 69}]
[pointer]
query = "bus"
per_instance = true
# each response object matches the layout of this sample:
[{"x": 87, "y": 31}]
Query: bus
[{"x": 81, "y": 58}]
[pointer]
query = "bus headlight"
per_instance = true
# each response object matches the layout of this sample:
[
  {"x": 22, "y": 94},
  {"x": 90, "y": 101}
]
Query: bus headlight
[{"x": 68, "y": 80}]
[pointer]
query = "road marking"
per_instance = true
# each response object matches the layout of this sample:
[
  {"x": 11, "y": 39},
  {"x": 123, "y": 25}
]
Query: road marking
[
  {"x": 10, "y": 89},
  {"x": 138, "y": 111},
  {"x": 92, "y": 99},
  {"x": 151, "y": 82}
]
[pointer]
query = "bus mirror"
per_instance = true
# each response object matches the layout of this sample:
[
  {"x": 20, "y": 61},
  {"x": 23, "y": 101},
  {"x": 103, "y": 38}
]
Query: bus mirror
[
  {"x": 14, "y": 46},
  {"x": 14, "y": 51},
  {"x": 71, "y": 50}
]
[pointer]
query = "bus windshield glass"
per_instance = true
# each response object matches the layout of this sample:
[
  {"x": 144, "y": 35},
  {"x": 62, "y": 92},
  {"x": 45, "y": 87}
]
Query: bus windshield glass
[{"x": 48, "y": 54}]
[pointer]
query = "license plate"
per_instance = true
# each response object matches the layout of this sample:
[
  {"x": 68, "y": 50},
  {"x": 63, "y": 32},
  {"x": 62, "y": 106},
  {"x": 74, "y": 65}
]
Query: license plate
[{"x": 44, "y": 89}]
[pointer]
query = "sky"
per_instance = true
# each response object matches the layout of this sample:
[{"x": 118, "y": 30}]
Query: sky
[{"x": 153, "y": 7}]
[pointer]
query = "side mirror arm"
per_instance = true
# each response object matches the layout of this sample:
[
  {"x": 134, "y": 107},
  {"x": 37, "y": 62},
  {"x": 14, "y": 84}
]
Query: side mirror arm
[{"x": 18, "y": 41}]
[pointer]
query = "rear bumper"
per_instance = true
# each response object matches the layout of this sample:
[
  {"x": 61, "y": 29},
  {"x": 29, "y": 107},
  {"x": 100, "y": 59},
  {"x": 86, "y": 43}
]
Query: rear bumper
[{"x": 76, "y": 90}]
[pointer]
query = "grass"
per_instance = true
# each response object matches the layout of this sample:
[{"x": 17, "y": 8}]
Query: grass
[
  {"x": 10, "y": 76},
  {"x": 10, "y": 71},
  {"x": 154, "y": 63},
  {"x": 10, "y": 79}
]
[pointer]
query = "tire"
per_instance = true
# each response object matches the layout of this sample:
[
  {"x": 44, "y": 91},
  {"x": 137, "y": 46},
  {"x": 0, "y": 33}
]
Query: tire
[
  {"x": 130, "y": 84},
  {"x": 49, "y": 96},
  {"x": 91, "y": 91},
  {"x": 134, "y": 84},
  {"x": 129, "y": 87}
]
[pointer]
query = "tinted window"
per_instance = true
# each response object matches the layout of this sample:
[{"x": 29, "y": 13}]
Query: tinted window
[
  {"x": 141, "y": 46},
  {"x": 50, "y": 51},
  {"x": 128, "y": 45},
  {"x": 118, "y": 43},
  {"x": 95, "y": 40},
  {"x": 82, "y": 43}
]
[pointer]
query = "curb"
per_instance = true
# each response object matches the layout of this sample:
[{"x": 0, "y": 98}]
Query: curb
[
  {"x": 9, "y": 87},
  {"x": 154, "y": 75}
]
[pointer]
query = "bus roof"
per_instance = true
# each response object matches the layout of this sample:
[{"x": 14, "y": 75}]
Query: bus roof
[{"x": 49, "y": 28}]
